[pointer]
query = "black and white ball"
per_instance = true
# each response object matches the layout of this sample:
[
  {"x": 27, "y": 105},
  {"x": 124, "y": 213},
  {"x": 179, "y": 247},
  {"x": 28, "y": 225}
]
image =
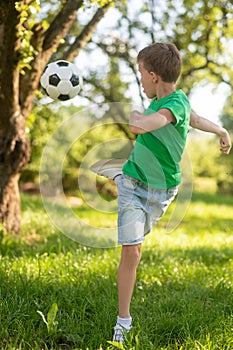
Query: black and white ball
[{"x": 61, "y": 80}]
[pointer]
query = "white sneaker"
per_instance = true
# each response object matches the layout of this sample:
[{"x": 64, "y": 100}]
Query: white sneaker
[
  {"x": 109, "y": 168},
  {"x": 120, "y": 333}
]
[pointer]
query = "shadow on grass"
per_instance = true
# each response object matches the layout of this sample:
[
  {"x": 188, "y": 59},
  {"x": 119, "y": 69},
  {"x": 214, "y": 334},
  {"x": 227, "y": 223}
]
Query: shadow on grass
[
  {"x": 211, "y": 198},
  {"x": 204, "y": 257},
  {"x": 34, "y": 244},
  {"x": 39, "y": 235},
  {"x": 195, "y": 224}
]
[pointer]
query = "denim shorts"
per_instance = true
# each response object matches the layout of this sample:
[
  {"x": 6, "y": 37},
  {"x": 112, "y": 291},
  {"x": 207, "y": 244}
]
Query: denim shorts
[{"x": 139, "y": 208}]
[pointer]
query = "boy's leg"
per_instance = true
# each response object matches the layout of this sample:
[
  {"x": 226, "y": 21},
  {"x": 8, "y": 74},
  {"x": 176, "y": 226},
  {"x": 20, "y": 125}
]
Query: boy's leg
[{"x": 130, "y": 257}]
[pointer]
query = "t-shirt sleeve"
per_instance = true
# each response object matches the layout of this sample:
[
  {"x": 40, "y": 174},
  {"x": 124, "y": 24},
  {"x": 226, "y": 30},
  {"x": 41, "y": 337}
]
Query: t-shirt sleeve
[{"x": 180, "y": 108}]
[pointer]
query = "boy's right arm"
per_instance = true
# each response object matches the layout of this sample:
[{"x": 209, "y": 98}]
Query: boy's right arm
[{"x": 204, "y": 124}]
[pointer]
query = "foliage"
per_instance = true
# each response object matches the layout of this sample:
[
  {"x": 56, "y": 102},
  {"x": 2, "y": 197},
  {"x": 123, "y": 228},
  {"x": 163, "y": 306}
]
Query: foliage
[
  {"x": 27, "y": 14},
  {"x": 33, "y": 32},
  {"x": 203, "y": 151},
  {"x": 42, "y": 122},
  {"x": 111, "y": 81},
  {"x": 45, "y": 120},
  {"x": 182, "y": 299},
  {"x": 205, "y": 155},
  {"x": 204, "y": 41},
  {"x": 227, "y": 113},
  {"x": 207, "y": 161},
  {"x": 89, "y": 3},
  {"x": 27, "y": 43},
  {"x": 225, "y": 181}
]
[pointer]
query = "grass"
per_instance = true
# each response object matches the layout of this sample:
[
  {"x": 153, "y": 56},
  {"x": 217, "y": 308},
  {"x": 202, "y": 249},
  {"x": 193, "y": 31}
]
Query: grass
[{"x": 57, "y": 294}]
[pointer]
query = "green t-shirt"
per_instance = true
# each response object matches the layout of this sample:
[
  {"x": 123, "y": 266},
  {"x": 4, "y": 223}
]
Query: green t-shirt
[{"x": 156, "y": 155}]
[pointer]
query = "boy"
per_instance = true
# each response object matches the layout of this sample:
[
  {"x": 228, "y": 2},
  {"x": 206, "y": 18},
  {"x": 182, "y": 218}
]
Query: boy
[{"x": 152, "y": 174}]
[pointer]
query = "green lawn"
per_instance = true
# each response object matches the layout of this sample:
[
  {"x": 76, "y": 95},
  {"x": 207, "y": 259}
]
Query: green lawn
[{"x": 57, "y": 294}]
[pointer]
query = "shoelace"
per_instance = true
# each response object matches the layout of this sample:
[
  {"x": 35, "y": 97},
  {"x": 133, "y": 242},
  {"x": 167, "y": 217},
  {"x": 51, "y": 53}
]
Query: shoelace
[{"x": 119, "y": 333}]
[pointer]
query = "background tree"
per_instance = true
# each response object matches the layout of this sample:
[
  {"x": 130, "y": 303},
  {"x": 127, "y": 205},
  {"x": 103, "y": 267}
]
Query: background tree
[
  {"x": 203, "y": 32},
  {"x": 227, "y": 113},
  {"x": 26, "y": 45},
  {"x": 201, "y": 29},
  {"x": 225, "y": 180},
  {"x": 30, "y": 37}
]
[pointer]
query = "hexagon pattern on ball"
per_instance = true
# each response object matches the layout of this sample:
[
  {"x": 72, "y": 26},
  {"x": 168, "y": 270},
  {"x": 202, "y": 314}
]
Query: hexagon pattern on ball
[{"x": 61, "y": 80}]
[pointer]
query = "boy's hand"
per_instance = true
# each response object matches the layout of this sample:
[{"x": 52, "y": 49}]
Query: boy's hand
[
  {"x": 134, "y": 116},
  {"x": 225, "y": 141},
  {"x": 206, "y": 125}
]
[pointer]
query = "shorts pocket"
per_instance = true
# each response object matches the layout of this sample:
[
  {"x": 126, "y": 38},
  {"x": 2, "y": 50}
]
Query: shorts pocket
[
  {"x": 128, "y": 183},
  {"x": 171, "y": 193}
]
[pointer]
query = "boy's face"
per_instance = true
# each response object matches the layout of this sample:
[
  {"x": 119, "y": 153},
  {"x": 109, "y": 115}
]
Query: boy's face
[{"x": 147, "y": 80}]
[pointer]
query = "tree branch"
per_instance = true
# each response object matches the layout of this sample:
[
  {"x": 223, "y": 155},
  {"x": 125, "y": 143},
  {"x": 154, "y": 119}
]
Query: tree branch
[
  {"x": 45, "y": 43},
  {"x": 9, "y": 74},
  {"x": 85, "y": 35},
  {"x": 193, "y": 69},
  {"x": 117, "y": 114},
  {"x": 123, "y": 54},
  {"x": 151, "y": 4},
  {"x": 61, "y": 24},
  {"x": 219, "y": 76}
]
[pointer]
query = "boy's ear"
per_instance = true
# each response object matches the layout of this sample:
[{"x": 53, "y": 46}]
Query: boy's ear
[{"x": 154, "y": 77}]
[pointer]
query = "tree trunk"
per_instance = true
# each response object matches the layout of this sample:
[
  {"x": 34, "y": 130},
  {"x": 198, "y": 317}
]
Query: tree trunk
[
  {"x": 14, "y": 143},
  {"x": 14, "y": 155},
  {"x": 10, "y": 203},
  {"x": 17, "y": 92}
]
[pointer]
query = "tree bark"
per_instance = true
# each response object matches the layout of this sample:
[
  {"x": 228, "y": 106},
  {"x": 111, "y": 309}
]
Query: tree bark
[
  {"x": 85, "y": 35},
  {"x": 10, "y": 202},
  {"x": 17, "y": 92},
  {"x": 14, "y": 155},
  {"x": 14, "y": 144}
]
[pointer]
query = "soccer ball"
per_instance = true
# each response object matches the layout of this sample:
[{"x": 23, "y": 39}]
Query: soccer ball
[{"x": 61, "y": 80}]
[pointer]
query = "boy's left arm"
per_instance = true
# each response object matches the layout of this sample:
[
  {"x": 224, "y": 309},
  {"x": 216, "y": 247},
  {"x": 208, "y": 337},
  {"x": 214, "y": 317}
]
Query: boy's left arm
[{"x": 204, "y": 124}]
